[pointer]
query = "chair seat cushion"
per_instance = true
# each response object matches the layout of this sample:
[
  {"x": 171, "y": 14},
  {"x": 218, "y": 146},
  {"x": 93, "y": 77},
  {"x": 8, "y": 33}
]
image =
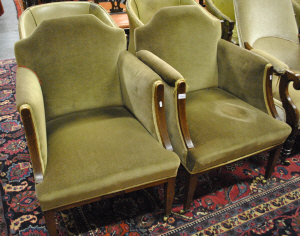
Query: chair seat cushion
[
  {"x": 285, "y": 50},
  {"x": 98, "y": 152},
  {"x": 225, "y": 128}
]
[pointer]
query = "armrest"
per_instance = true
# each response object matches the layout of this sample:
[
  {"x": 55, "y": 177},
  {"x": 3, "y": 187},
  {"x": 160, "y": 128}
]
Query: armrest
[
  {"x": 279, "y": 66},
  {"x": 165, "y": 71},
  {"x": 143, "y": 94},
  {"x": 30, "y": 103},
  {"x": 246, "y": 75}
]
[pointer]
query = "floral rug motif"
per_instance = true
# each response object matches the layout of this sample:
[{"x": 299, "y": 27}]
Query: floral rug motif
[{"x": 232, "y": 200}]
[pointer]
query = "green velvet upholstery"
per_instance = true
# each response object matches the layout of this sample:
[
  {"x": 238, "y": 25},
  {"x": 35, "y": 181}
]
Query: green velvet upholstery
[
  {"x": 169, "y": 75},
  {"x": 230, "y": 129},
  {"x": 105, "y": 158},
  {"x": 140, "y": 12},
  {"x": 270, "y": 28},
  {"x": 224, "y": 10},
  {"x": 33, "y": 16},
  {"x": 30, "y": 93},
  {"x": 227, "y": 106},
  {"x": 92, "y": 106},
  {"x": 242, "y": 74},
  {"x": 56, "y": 71},
  {"x": 199, "y": 58}
]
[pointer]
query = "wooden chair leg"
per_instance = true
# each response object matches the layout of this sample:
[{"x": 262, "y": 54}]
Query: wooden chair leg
[
  {"x": 169, "y": 196},
  {"x": 274, "y": 156},
  {"x": 50, "y": 222},
  {"x": 288, "y": 146},
  {"x": 190, "y": 187}
]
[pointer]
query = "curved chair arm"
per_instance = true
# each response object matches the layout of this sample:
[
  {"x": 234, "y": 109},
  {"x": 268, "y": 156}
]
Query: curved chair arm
[
  {"x": 30, "y": 103},
  {"x": 175, "y": 89},
  {"x": 227, "y": 23},
  {"x": 296, "y": 7},
  {"x": 246, "y": 75},
  {"x": 143, "y": 95}
]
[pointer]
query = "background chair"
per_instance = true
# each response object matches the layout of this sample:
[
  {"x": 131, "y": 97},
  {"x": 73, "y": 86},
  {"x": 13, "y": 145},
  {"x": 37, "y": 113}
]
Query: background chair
[
  {"x": 93, "y": 115},
  {"x": 219, "y": 102},
  {"x": 33, "y": 16},
  {"x": 223, "y": 9},
  {"x": 140, "y": 12},
  {"x": 269, "y": 29}
]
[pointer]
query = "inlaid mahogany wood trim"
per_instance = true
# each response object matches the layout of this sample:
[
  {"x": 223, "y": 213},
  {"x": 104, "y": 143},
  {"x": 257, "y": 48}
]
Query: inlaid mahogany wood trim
[
  {"x": 291, "y": 111},
  {"x": 269, "y": 93},
  {"x": 181, "y": 100},
  {"x": 159, "y": 104},
  {"x": 32, "y": 142}
]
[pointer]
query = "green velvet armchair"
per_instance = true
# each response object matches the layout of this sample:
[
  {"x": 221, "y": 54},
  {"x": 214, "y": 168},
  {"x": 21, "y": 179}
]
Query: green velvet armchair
[
  {"x": 33, "y": 16},
  {"x": 269, "y": 29},
  {"x": 223, "y": 9},
  {"x": 93, "y": 115},
  {"x": 219, "y": 102},
  {"x": 140, "y": 12}
]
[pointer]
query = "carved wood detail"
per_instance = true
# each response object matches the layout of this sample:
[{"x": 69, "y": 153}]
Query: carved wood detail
[{"x": 292, "y": 112}]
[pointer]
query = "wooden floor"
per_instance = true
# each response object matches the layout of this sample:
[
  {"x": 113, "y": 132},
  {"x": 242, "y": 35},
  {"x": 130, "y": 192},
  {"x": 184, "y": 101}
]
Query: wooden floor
[{"x": 8, "y": 30}]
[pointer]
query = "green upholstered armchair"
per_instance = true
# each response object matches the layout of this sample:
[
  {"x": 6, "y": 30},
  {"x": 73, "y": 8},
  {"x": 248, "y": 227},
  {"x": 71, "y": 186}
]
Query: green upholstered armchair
[
  {"x": 223, "y": 9},
  {"x": 219, "y": 102},
  {"x": 140, "y": 12},
  {"x": 33, "y": 16},
  {"x": 269, "y": 29},
  {"x": 93, "y": 115}
]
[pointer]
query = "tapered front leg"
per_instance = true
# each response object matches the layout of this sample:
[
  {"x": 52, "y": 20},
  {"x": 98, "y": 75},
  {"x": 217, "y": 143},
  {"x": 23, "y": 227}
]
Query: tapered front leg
[
  {"x": 189, "y": 191},
  {"x": 169, "y": 196},
  {"x": 51, "y": 222},
  {"x": 273, "y": 158}
]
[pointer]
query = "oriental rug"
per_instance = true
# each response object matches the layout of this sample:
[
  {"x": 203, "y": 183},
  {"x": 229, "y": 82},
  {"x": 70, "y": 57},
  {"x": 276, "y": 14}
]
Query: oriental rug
[{"x": 233, "y": 200}]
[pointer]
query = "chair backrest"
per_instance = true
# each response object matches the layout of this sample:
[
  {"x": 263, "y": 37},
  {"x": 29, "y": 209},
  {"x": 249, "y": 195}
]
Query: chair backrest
[
  {"x": 187, "y": 40},
  {"x": 265, "y": 18},
  {"x": 145, "y": 9},
  {"x": 75, "y": 59},
  {"x": 33, "y": 16}
]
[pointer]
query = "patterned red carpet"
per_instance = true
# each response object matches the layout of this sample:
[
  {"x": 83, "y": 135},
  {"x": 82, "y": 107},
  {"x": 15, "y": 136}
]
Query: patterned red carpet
[{"x": 229, "y": 201}]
